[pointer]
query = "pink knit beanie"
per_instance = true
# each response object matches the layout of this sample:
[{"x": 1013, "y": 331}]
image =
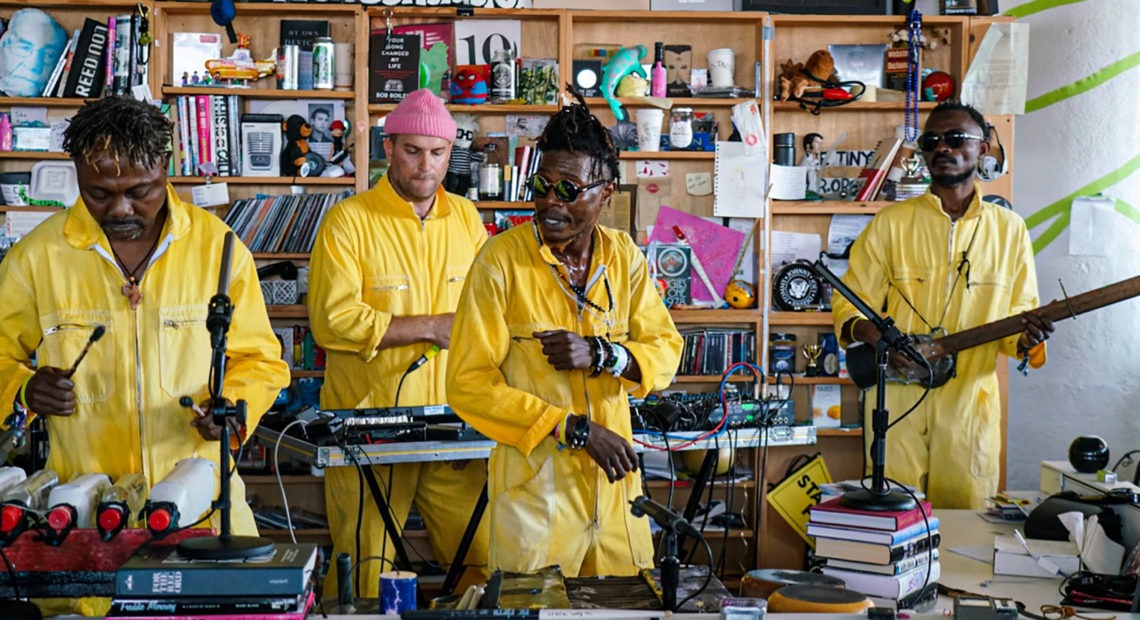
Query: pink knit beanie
[{"x": 421, "y": 113}]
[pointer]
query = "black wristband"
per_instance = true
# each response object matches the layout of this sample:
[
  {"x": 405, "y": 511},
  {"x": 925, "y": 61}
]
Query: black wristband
[{"x": 579, "y": 436}]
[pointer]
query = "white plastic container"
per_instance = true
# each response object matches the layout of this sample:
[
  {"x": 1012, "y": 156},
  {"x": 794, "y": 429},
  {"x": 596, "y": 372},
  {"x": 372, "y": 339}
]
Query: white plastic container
[
  {"x": 32, "y": 492},
  {"x": 81, "y": 493},
  {"x": 185, "y": 494},
  {"x": 11, "y": 476}
]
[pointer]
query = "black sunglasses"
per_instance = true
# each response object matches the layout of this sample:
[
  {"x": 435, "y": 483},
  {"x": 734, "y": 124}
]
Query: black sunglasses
[
  {"x": 929, "y": 140},
  {"x": 564, "y": 190}
]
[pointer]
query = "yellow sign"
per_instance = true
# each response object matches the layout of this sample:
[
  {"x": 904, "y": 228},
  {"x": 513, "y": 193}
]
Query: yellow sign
[{"x": 794, "y": 497}]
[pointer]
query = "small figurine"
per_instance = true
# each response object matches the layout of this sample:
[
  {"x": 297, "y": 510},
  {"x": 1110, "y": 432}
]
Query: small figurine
[
  {"x": 458, "y": 177},
  {"x": 339, "y": 163},
  {"x": 296, "y": 158},
  {"x": 793, "y": 81},
  {"x": 469, "y": 86},
  {"x": 812, "y": 160},
  {"x": 625, "y": 62},
  {"x": 240, "y": 65}
]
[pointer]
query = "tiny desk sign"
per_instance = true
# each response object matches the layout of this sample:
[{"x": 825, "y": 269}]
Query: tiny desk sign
[
  {"x": 794, "y": 497},
  {"x": 394, "y": 68}
]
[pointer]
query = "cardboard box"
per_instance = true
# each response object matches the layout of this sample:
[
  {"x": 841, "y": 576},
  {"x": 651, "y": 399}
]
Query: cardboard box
[
  {"x": 1010, "y": 558},
  {"x": 695, "y": 5}
]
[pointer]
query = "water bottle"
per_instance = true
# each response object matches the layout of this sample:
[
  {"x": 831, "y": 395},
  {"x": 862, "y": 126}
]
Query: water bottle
[
  {"x": 73, "y": 504},
  {"x": 31, "y": 494},
  {"x": 181, "y": 498},
  {"x": 121, "y": 505}
]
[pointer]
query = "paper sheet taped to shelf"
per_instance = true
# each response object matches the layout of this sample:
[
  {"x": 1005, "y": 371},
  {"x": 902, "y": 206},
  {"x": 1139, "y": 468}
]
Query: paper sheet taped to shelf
[{"x": 741, "y": 180}]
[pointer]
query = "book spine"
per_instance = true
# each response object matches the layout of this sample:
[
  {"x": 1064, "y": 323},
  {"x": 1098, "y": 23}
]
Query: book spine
[
  {"x": 109, "y": 57},
  {"x": 57, "y": 72},
  {"x": 210, "y": 582},
  {"x": 221, "y": 132},
  {"x": 202, "y": 111},
  {"x": 135, "y": 607},
  {"x": 61, "y": 88},
  {"x": 234, "y": 109},
  {"x": 122, "y": 71}
]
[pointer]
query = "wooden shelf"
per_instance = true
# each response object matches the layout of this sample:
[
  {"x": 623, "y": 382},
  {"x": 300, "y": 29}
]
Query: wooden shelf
[
  {"x": 860, "y": 20},
  {"x": 484, "y": 108},
  {"x": 238, "y": 180},
  {"x": 297, "y": 373},
  {"x": 491, "y": 205},
  {"x": 715, "y": 316},
  {"x": 856, "y": 106},
  {"x": 248, "y": 8},
  {"x": 43, "y": 102},
  {"x": 258, "y": 93},
  {"x": 37, "y": 155},
  {"x": 800, "y": 318},
  {"x": 691, "y": 155},
  {"x": 827, "y": 207},
  {"x": 678, "y": 102},
  {"x": 839, "y": 432},
  {"x": 294, "y": 311}
]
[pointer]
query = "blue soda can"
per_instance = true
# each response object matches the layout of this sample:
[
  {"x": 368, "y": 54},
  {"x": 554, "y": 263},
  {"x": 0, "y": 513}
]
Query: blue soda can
[{"x": 397, "y": 591}]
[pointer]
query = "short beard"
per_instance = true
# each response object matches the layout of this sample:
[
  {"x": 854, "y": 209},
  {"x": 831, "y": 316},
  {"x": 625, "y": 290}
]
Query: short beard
[{"x": 952, "y": 180}]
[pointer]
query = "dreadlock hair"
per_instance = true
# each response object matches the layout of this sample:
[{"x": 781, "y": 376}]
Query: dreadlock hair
[
  {"x": 124, "y": 128},
  {"x": 575, "y": 129},
  {"x": 952, "y": 105}
]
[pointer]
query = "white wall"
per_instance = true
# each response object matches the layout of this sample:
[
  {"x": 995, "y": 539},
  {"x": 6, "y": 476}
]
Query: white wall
[{"x": 1092, "y": 381}]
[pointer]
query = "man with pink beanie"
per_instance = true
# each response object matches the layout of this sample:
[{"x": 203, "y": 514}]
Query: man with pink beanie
[{"x": 385, "y": 277}]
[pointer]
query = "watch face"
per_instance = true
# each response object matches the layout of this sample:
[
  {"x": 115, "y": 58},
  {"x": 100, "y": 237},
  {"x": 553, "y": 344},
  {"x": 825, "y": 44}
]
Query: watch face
[{"x": 796, "y": 287}]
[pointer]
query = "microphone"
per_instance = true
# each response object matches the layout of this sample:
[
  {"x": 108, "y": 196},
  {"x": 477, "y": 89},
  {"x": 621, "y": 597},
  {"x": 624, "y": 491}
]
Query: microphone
[
  {"x": 221, "y": 310},
  {"x": 664, "y": 517},
  {"x": 423, "y": 359}
]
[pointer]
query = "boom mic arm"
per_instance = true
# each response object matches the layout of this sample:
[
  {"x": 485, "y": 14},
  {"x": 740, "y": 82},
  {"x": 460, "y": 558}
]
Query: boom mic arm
[{"x": 664, "y": 517}]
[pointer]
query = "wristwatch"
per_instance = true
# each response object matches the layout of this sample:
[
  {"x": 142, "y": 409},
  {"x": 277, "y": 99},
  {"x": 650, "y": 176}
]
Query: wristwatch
[{"x": 579, "y": 436}]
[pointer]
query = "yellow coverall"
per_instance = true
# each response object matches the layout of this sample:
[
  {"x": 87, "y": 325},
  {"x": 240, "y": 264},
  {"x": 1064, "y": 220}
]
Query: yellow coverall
[
  {"x": 951, "y": 444},
  {"x": 62, "y": 280},
  {"x": 549, "y": 506},
  {"x": 374, "y": 259}
]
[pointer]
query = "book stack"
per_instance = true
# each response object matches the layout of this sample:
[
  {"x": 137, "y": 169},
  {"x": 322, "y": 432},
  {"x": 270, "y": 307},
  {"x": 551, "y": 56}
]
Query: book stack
[
  {"x": 158, "y": 583},
  {"x": 888, "y": 556}
]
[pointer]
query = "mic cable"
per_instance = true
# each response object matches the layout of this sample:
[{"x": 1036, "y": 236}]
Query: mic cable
[{"x": 420, "y": 361}]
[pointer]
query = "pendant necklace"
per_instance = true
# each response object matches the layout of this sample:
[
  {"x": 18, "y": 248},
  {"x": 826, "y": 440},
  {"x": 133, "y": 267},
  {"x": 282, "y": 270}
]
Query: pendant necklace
[{"x": 130, "y": 288}]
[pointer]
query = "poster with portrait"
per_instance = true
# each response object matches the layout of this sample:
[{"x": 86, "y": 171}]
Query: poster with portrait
[{"x": 319, "y": 113}]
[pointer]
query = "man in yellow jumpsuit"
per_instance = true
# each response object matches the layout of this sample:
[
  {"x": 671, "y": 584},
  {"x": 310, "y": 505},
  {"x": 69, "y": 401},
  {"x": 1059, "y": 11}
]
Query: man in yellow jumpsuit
[
  {"x": 131, "y": 257},
  {"x": 558, "y": 322},
  {"x": 387, "y": 269},
  {"x": 947, "y": 261}
]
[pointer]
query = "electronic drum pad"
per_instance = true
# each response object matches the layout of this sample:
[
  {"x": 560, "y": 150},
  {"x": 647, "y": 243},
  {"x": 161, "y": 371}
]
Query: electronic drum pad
[{"x": 817, "y": 600}]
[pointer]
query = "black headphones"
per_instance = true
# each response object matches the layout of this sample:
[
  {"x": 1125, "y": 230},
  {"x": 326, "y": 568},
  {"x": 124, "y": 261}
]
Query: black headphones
[{"x": 990, "y": 168}]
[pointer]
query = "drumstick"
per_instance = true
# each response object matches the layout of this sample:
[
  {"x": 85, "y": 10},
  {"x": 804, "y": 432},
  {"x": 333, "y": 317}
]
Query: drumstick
[
  {"x": 95, "y": 335},
  {"x": 717, "y": 299}
]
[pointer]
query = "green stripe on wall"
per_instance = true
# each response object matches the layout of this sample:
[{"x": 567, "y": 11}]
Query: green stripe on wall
[
  {"x": 1061, "y": 207},
  {"x": 1084, "y": 84},
  {"x": 1128, "y": 210},
  {"x": 1029, "y": 8}
]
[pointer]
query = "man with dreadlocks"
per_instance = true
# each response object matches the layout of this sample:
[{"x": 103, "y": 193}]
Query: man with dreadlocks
[
  {"x": 558, "y": 322},
  {"x": 134, "y": 259}
]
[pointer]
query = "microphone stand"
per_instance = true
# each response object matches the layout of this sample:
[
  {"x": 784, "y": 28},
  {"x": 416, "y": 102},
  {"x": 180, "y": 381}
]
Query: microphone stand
[
  {"x": 879, "y": 497},
  {"x": 670, "y": 571},
  {"x": 226, "y": 546}
]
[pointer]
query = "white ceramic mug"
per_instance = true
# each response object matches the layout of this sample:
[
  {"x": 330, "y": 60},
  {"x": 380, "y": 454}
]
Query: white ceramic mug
[
  {"x": 649, "y": 121},
  {"x": 722, "y": 63}
]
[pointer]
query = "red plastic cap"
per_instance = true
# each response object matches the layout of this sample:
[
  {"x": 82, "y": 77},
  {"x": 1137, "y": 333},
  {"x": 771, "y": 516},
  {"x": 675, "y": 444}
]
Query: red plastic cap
[
  {"x": 58, "y": 518},
  {"x": 158, "y": 521},
  {"x": 10, "y": 518},
  {"x": 110, "y": 519}
]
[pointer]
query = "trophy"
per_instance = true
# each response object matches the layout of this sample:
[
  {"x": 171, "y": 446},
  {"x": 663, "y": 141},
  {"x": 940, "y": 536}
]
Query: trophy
[{"x": 812, "y": 352}]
